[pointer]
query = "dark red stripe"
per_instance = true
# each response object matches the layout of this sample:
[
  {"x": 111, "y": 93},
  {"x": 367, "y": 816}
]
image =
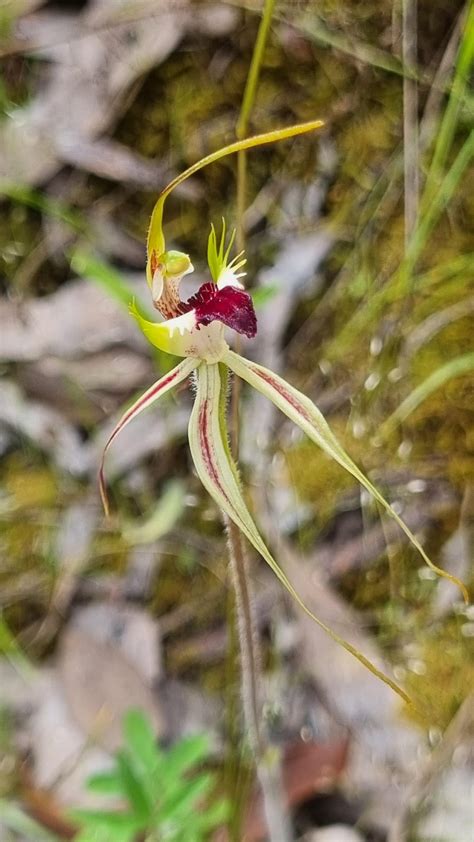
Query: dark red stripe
[
  {"x": 150, "y": 393},
  {"x": 282, "y": 391},
  {"x": 207, "y": 450},
  {"x": 172, "y": 376}
]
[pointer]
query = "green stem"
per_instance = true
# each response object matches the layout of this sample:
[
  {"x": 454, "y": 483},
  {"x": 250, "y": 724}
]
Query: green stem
[
  {"x": 410, "y": 119},
  {"x": 449, "y": 123},
  {"x": 244, "y": 116},
  {"x": 248, "y": 100}
]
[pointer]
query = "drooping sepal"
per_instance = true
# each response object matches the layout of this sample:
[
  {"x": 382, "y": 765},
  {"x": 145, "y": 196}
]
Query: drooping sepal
[
  {"x": 219, "y": 476},
  {"x": 307, "y": 416},
  {"x": 163, "y": 385},
  {"x": 156, "y": 240}
]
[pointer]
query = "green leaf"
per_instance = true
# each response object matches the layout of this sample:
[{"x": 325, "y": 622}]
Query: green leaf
[
  {"x": 262, "y": 295},
  {"x": 187, "y": 753},
  {"x": 212, "y": 816},
  {"x": 114, "y": 820},
  {"x": 183, "y": 801},
  {"x": 105, "y": 783},
  {"x": 137, "y": 794},
  {"x": 141, "y": 741},
  {"x": 447, "y": 129},
  {"x": 149, "y": 763},
  {"x": 162, "y": 518},
  {"x": 105, "y": 834}
]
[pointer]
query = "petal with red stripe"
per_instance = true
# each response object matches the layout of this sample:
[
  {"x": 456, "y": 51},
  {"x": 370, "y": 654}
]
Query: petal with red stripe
[
  {"x": 219, "y": 476},
  {"x": 307, "y": 416},
  {"x": 163, "y": 385}
]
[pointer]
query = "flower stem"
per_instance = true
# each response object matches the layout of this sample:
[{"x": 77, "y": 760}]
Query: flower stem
[
  {"x": 266, "y": 757},
  {"x": 248, "y": 636}
]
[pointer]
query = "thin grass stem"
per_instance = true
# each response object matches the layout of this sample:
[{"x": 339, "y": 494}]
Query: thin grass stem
[
  {"x": 410, "y": 119},
  {"x": 450, "y": 118},
  {"x": 248, "y": 100},
  {"x": 244, "y": 116}
]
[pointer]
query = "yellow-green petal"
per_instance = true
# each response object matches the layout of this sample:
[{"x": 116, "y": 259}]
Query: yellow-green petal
[{"x": 171, "y": 336}]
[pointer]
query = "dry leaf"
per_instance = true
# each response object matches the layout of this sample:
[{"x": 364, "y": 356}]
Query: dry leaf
[{"x": 100, "y": 685}]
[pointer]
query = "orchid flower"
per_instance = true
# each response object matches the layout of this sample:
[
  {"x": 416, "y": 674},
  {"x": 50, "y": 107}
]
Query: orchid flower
[{"x": 195, "y": 330}]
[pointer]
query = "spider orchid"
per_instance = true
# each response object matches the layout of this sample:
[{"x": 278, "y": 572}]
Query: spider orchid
[{"x": 195, "y": 330}]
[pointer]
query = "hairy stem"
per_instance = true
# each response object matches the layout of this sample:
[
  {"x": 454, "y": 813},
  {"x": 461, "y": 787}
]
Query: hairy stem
[
  {"x": 266, "y": 758},
  {"x": 248, "y": 636}
]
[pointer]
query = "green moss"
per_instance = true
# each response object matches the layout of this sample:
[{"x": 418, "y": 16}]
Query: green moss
[
  {"x": 29, "y": 486},
  {"x": 109, "y": 553},
  {"x": 446, "y": 662},
  {"x": 317, "y": 479}
]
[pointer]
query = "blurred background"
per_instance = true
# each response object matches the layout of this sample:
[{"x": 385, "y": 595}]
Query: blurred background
[{"x": 360, "y": 247}]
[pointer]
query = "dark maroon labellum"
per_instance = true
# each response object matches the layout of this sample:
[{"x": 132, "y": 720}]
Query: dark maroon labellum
[{"x": 229, "y": 305}]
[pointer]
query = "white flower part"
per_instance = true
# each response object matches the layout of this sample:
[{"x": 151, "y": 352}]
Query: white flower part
[
  {"x": 183, "y": 324},
  {"x": 157, "y": 285},
  {"x": 188, "y": 270},
  {"x": 229, "y": 278},
  {"x": 207, "y": 343},
  {"x": 161, "y": 275}
]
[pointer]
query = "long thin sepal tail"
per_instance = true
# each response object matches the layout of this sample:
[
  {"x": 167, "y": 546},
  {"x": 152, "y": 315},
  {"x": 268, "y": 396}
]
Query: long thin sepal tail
[
  {"x": 211, "y": 458},
  {"x": 307, "y": 416},
  {"x": 156, "y": 239},
  {"x": 163, "y": 385}
]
